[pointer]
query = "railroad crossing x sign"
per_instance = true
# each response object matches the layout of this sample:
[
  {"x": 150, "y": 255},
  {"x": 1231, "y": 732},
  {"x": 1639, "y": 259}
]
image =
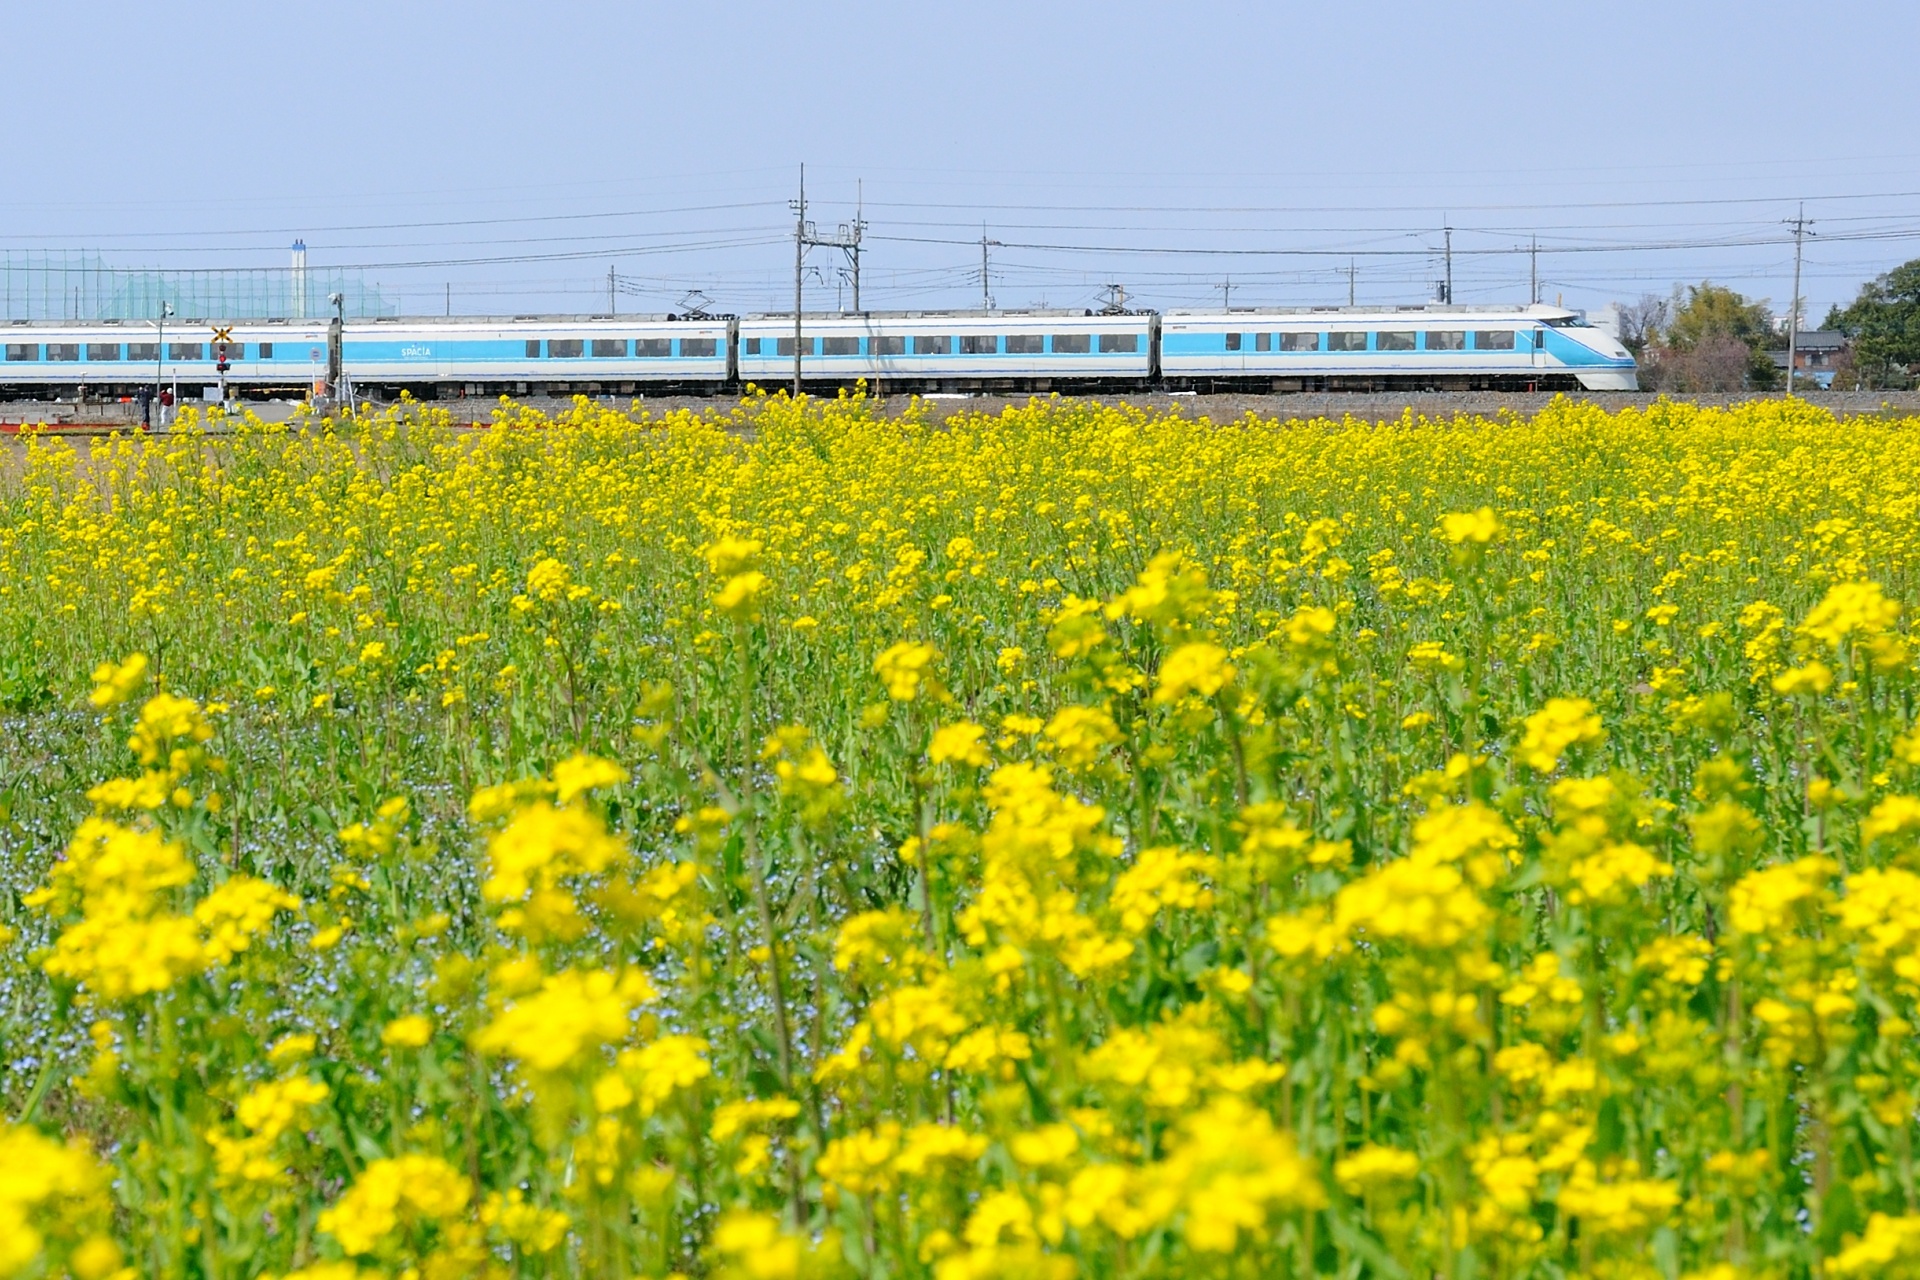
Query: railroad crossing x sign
[{"x": 223, "y": 335}]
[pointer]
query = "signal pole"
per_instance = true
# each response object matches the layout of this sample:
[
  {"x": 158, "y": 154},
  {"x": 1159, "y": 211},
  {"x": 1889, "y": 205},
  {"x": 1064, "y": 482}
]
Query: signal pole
[
  {"x": 159, "y": 354},
  {"x": 336, "y": 347},
  {"x": 1800, "y": 224},
  {"x": 847, "y": 240}
]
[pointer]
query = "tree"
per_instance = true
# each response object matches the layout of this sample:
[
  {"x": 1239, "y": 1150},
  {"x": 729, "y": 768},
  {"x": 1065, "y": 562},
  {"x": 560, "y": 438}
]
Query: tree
[
  {"x": 1642, "y": 322},
  {"x": 1711, "y": 315},
  {"x": 1883, "y": 326},
  {"x": 1716, "y": 362}
]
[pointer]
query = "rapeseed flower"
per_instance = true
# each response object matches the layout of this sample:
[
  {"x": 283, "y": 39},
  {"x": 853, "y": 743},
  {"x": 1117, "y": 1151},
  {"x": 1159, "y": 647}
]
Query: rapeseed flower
[
  {"x": 391, "y": 1195},
  {"x": 572, "y": 1013},
  {"x": 904, "y": 668},
  {"x": 1198, "y": 668},
  {"x": 1560, "y": 724},
  {"x": 1062, "y": 841}
]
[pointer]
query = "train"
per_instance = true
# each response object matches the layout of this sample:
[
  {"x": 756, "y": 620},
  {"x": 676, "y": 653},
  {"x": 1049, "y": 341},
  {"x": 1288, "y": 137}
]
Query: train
[{"x": 1434, "y": 346}]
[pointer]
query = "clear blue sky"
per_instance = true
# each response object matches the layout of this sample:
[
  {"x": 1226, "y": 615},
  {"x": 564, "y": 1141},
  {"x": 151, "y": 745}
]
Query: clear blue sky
[{"x": 560, "y": 139}]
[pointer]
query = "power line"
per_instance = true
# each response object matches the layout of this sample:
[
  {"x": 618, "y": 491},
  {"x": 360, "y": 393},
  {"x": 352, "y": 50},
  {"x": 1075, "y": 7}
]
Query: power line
[
  {"x": 1695, "y": 202},
  {"x": 414, "y": 226},
  {"x": 1905, "y": 233}
]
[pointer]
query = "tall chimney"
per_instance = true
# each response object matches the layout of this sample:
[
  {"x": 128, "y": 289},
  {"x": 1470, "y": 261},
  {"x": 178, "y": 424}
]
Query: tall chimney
[{"x": 297, "y": 282}]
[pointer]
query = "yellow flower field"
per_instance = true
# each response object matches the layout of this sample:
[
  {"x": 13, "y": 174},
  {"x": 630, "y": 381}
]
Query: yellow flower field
[{"x": 796, "y": 841}]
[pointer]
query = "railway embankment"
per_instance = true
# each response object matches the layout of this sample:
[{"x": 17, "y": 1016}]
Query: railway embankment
[{"x": 96, "y": 417}]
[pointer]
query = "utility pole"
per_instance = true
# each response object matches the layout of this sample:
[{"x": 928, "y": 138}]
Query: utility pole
[
  {"x": 1800, "y": 224},
  {"x": 1446, "y": 292},
  {"x": 1350, "y": 274},
  {"x": 859, "y": 227},
  {"x": 1226, "y": 294},
  {"x": 1533, "y": 271},
  {"x": 449, "y": 297},
  {"x": 799, "y": 262},
  {"x": 611, "y": 309},
  {"x": 986, "y": 297}
]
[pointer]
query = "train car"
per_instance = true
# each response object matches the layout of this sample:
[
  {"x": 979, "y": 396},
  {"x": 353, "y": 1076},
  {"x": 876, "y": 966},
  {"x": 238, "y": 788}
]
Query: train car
[
  {"x": 952, "y": 351},
  {"x": 110, "y": 357},
  {"x": 1430, "y": 346},
  {"x": 552, "y": 355},
  {"x": 426, "y": 356},
  {"x": 1438, "y": 346}
]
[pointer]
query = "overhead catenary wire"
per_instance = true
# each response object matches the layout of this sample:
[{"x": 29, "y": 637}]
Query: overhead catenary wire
[{"x": 1283, "y": 262}]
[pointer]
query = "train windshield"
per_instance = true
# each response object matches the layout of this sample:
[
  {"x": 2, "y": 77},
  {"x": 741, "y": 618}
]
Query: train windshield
[{"x": 1568, "y": 322}]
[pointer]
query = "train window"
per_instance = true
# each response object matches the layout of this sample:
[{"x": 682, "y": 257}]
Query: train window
[
  {"x": 1119, "y": 343},
  {"x": 1539, "y": 339},
  {"x": 783, "y": 346},
  {"x": 697, "y": 348},
  {"x": 1024, "y": 344},
  {"x": 1072, "y": 344},
  {"x": 749, "y": 346},
  {"x": 1233, "y": 342},
  {"x": 887, "y": 346},
  {"x": 186, "y": 351},
  {"x": 1493, "y": 339},
  {"x": 1446, "y": 340},
  {"x": 143, "y": 351},
  {"x": 1263, "y": 342},
  {"x": 565, "y": 348},
  {"x": 533, "y": 348},
  {"x": 1299, "y": 342},
  {"x": 266, "y": 351},
  {"x": 653, "y": 348},
  {"x": 103, "y": 351},
  {"x": 932, "y": 344},
  {"x": 610, "y": 348},
  {"x": 979, "y": 344},
  {"x": 63, "y": 351},
  {"x": 23, "y": 351},
  {"x": 1393, "y": 340},
  {"x": 1350, "y": 340},
  {"x": 840, "y": 346}
]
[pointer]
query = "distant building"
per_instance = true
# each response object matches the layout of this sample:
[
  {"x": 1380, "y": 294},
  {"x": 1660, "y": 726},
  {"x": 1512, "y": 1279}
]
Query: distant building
[
  {"x": 1816, "y": 353},
  {"x": 1608, "y": 319}
]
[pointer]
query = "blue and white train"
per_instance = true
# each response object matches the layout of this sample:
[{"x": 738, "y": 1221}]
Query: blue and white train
[{"x": 1435, "y": 346}]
